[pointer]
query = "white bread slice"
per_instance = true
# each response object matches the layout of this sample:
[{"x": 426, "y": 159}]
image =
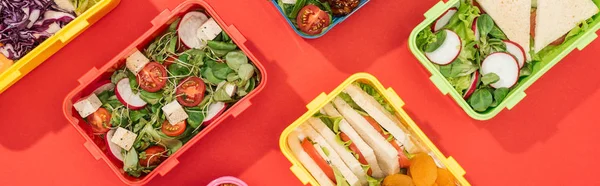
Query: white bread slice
[
  {"x": 346, "y": 156},
  {"x": 513, "y": 18},
  {"x": 556, "y": 18},
  {"x": 334, "y": 157},
  {"x": 388, "y": 121},
  {"x": 310, "y": 164},
  {"x": 386, "y": 154},
  {"x": 362, "y": 146}
]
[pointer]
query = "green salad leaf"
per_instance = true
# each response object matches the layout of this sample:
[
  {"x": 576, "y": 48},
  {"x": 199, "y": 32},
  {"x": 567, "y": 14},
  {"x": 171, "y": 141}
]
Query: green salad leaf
[
  {"x": 490, "y": 78},
  {"x": 481, "y": 100}
]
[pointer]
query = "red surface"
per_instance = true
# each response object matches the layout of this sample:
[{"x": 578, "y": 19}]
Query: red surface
[{"x": 544, "y": 140}]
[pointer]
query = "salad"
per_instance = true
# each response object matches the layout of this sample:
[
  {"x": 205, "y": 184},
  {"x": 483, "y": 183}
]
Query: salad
[
  {"x": 27, "y": 23},
  {"x": 168, "y": 92},
  {"x": 312, "y": 17},
  {"x": 486, "y": 48}
]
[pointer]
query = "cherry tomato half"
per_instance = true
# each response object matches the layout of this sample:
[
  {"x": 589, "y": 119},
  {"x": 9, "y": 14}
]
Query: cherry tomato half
[
  {"x": 173, "y": 130},
  {"x": 100, "y": 121},
  {"x": 152, "y": 77},
  {"x": 312, "y": 20},
  {"x": 190, "y": 92},
  {"x": 154, "y": 155}
]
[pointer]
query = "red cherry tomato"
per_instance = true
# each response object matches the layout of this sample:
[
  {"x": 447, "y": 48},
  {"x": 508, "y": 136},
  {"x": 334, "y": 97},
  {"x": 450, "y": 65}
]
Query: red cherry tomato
[
  {"x": 312, "y": 20},
  {"x": 152, "y": 77},
  {"x": 100, "y": 121},
  {"x": 154, "y": 155},
  {"x": 190, "y": 92},
  {"x": 173, "y": 130}
]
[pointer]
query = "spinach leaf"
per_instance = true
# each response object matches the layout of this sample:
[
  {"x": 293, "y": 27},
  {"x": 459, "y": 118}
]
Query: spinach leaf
[
  {"x": 217, "y": 45},
  {"x": 490, "y": 78},
  {"x": 497, "y": 33},
  {"x": 133, "y": 82},
  {"x": 151, "y": 97},
  {"x": 500, "y": 94},
  {"x": 457, "y": 68},
  {"x": 136, "y": 115},
  {"x": 246, "y": 71},
  {"x": 235, "y": 59},
  {"x": 485, "y": 25},
  {"x": 440, "y": 36},
  {"x": 294, "y": 13},
  {"x": 481, "y": 100},
  {"x": 221, "y": 70},
  {"x": 226, "y": 37},
  {"x": 176, "y": 69},
  {"x": 196, "y": 116},
  {"x": 209, "y": 77}
]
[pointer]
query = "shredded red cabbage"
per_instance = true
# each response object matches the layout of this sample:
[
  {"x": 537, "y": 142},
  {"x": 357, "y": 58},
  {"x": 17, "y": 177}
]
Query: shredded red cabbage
[{"x": 27, "y": 23}]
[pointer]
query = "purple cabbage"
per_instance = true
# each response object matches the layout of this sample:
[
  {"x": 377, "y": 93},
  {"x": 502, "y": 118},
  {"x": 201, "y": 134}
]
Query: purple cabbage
[{"x": 27, "y": 23}]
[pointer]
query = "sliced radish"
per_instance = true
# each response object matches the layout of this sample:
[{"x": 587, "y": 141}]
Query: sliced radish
[
  {"x": 474, "y": 82},
  {"x": 475, "y": 29},
  {"x": 443, "y": 20},
  {"x": 104, "y": 86},
  {"x": 127, "y": 97},
  {"x": 504, "y": 65},
  {"x": 516, "y": 50},
  {"x": 448, "y": 51},
  {"x": 114, "y": 149},
  {"x": 214, "y": 110},
  {"x": 188, "y": 27}
]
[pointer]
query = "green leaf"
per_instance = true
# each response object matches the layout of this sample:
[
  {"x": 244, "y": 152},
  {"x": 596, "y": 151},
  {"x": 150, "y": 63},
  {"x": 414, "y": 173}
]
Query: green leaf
[
  {"x": 374, "y": 181},
  {"x": 196, "y": 116},
  {"x": 460, "y": 84},
  {"x": 246, "y": 71},
  {"x": 339, "y": 178},
  {"x": 151, "y": 97},
  {"x": 173, "y": 26},
  {"x": 225, "y": 37},
  {"x": 117, "y": 76},
  {"x": 130, "y": 163},
  {"x": 440, "y": 36},
  {"x": 196, "y": 57},
  {"x": 490, "y": 78},
  {"x": 172, "y": 45},
  {"x": 208, "y": 76},
  {"x": 526, "y": 70},
  {"x": 178, "y": 70},
  {"x": 136, "y": 115},
  {"x": 350, "y": 101},
  {"x": 481, "y": 100},
  {"x": 133, "y": 82},
  {"x": 500, "y": 94},
  {"x": 236, "y": 59},
  {"x": 142, "y": 122},
  {"x": 485, "y": 24},
  {"x": 221, "y": 70},
  {"x": 497, "y": 33},
  {"x": 294, "y": 12},
  {"x": 232, "y": 77},
  {"x": 380, "y": 99},
  {"x": 218, "y": 45}
]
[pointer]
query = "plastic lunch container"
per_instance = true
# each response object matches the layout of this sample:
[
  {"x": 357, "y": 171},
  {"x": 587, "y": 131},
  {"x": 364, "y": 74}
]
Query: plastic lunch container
[
  {"x": 227, "y": 180},
  {"x": 94, "y": 75},
  {"x": 51, "y": 45},
  {"x": 391, "y": 97},
  {"x": 518, "y": 92},
  {"x": 334, "y": 22}
]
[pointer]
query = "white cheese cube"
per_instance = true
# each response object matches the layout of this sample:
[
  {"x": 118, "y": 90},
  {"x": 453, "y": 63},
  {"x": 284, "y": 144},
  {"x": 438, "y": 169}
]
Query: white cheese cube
[
  {"x": 123, "y": 138},
  {"x": 209, "y": 30},
  {"x": 174, "y": 112},
  {"x": 88, "y": 105},
  {"x": 136, "y": 62},
  {"x": 289, "y": 2}
]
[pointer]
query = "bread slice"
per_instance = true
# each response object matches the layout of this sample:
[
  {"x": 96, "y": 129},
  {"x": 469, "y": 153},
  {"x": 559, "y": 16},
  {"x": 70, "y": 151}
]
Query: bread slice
[
  {"x": 346, "y": 155},
  {"x": 307, "y": 162},
  {"x": 513, "y": 18},
  {"x": 386, "y": 155},
  {"x": 334, "y": 157},
  {"x": 360, "y": 144},
  {"x": 387, "y": 121},
  {"x": 555, "y": 18}
]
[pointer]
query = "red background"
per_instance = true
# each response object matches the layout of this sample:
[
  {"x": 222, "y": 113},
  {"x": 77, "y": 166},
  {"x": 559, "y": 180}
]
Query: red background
[{"x": 547, "y": 139}]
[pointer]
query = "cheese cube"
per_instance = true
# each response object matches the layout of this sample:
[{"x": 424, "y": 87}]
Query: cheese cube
[
  {"x": 209, "y": 30},
  {"x": 174, "y": 112},
  {"x": 136, "y": 62},
  {"x": 289, "y": 2},
  {"x": 87, "y": 105},
  {"x": 123, "y": 138}
]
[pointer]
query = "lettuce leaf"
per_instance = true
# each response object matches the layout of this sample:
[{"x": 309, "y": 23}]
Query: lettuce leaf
[
  {"x": 462, "y": 20},
  {"x": 460, "y": 84},
  {"x": 339, "y": 179},
  {"x": 380, "y": 99}
]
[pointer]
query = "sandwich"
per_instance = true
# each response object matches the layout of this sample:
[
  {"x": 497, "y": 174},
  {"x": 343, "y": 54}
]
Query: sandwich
[
  {"x": 512, "y": 17},
  {"x": 377, "y": 126},
  {"x": 323, "y": 156},
  {"x": 555, "y": 18}
]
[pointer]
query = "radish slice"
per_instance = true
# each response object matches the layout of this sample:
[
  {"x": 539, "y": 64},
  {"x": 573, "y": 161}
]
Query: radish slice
[
  {"x": 505, "y": 66},
  {"x": 187, "y": 28},
  {"x": 127, "y": 97},
  {"x": 475, "y": 29},
  {"x": 448, "y": 51},
  {"x": 474, "y": 82},
  {"x": 444, "y": 19},
  {"x": 104, "y": 86},
  {"x": 516, "y": 50},
  {"x": 114, "y": 149},
  {"x": 214, "y": 110}
]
